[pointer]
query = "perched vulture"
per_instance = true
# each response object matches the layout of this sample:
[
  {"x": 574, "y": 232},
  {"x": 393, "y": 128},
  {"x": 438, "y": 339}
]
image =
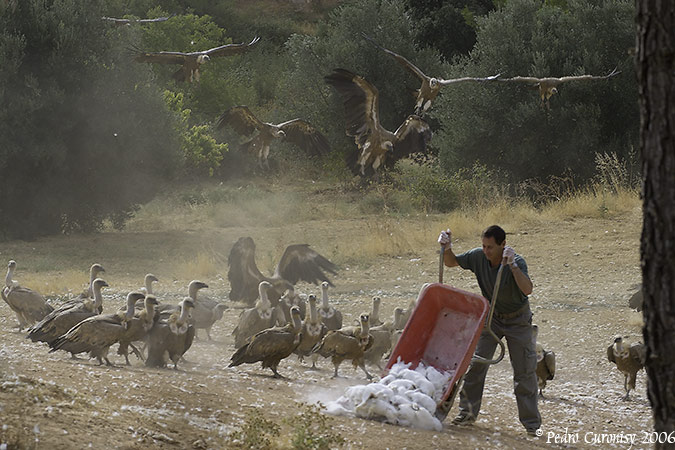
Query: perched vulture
[
  {"x": 171, "y": 337},
  {"x": 96, "y": 334},
  {"x": 299, "y": 262},
  {"x": 190, "y": 61},
  {"x": 122, "y": 22},
  {"x": 375, "y": 144},
  {"x": 330, "y": 316},
  {"x": 313, "y": 330},
  {"x": 261, "y": 134},
  {"x": 137, "y": 328},
  {"x": 28, "y": 305},
  {"x": 272, "y": 345},
  {"x": 549, "y": 86},
  {"x": 545, "y": 362},
  {"x": 62, "y": 319},
  {"x": 629, "y": 361},
  {"x": 431, "y": 86},
  {"x": 347, "y": 343}
]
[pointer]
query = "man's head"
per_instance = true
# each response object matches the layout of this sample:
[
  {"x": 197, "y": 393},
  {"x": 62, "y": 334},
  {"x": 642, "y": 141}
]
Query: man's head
[{"x": 494, "y": 239}]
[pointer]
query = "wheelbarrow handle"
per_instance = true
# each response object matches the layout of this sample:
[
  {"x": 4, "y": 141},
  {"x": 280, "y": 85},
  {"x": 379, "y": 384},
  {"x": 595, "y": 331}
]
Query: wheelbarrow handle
[
  {"x": 488, "y": 324},
  {"x": 441, "y": 264}
]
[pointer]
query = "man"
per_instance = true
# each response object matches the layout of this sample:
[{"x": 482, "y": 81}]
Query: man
[{"x": 512, "y": 318}]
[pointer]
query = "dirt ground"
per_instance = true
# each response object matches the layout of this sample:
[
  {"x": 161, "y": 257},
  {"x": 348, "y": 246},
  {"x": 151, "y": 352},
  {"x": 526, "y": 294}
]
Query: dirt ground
[{"x": 583, "y": 271}]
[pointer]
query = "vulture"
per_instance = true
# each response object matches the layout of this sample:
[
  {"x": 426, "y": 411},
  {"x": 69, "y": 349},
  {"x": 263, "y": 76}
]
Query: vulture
[
  {"x": 313, "y": 330},
  {"x": 147, "y": 284},
  {"x": 255, "y": 319},
  {"x": 194, "y": 287},
  {"x": 96, "y": 334},
  {"x": 62, "y": 319},
  {"x": 137, "y": 328},
  {"x": 272, "y": 345},
  {"x": 545, "y": 362},
  {"x": 299, "y": 262},
  {"x": 382, "y": 341},
  {"x": 330, "y": 316},
  {"x": 290, "y": 299},
  {"x": 375, "y": 313},
  {"x": 122, "y": 22},
  {"x": 629, "y": 361},
  {"x": 171, "y": 337},
  {"x": 431, "y": 86},
  {"x": 549, "y": 86},
  {"x": 396, "y": 334},
  {"x": 190, "y": 61},
  {"x": 374, "y": 143},
  {"x": 94, "y": 271},
  {"x": 29, "y": 306},
  {"x": 347, "y": 343},
  {"x": 206, "y": 311},
  {"x": 261, "y": 134},
  {"x": 636, "y": 300},
  {"x": 402, "y": 320}
]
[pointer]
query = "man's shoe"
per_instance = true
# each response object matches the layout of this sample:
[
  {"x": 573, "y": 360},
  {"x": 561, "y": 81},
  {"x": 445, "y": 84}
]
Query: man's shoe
[
  {"x": 532, "y": 432},
  {"x": 463, "y": 419}
]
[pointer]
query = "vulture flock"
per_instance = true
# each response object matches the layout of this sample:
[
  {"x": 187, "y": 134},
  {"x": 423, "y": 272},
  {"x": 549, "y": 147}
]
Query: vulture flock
[{"x": 375, "y": 146}]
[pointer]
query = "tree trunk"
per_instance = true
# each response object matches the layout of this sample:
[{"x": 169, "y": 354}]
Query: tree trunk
[{"x": 656, "y": 84}]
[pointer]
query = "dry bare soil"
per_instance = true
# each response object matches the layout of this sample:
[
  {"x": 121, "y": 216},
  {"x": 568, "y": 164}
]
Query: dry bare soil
[{"x": 583, "y": 270}]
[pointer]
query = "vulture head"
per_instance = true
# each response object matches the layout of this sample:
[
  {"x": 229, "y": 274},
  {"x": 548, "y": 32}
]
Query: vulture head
[
  {"x": 201, "y": 59},
  {"x": 99, "y": 283},
  {"x": 195, "y": 286},
  {"x": 433, "y": 82},
  {"x": 151, "y": 300},
  {"x": 12, "y": 264}
]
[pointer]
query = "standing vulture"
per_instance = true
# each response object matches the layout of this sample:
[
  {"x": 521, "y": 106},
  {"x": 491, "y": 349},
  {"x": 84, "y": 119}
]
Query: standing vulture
[
  {"x": 190, "y": 61},
  {"x": 347, "y": 343},
  {"x": 431, "y": 86},
  {"x": 262, "y": 134},
  {"x": 256, "y": 319},
  {"x": 28, "y": 305},
  {"x": 299, "y": 262},
  {"x": 375, "y": 143},
  {"x": 96, "y": 334},
  {"x": 545, "y": 362},
  {"x": 62, "y": 319},
  {"x": 548, "y": 86},
  {"x": 313, "y": 330},
  {"x": 629, "y": 361},
  {"x": 272, "y": 345},
  {"x": 137, "y": 328},
  {"x": 171, "y": 337},
  {"x": 330, "y": 316}
]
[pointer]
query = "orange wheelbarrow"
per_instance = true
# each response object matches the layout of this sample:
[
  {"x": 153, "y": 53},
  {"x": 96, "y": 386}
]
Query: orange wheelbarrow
[{"x": 443, "y": 331}]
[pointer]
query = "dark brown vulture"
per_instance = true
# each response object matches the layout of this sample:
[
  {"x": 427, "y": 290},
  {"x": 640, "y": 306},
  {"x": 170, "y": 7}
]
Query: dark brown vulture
[
  {"x": 171, "y": 337},
  {"x": 629, "y": 361},
  {"x": 262, "y": 134},
  {"x": 375, "y": 143},
  {"x": 272, "y": 345},
  {"x": 549, "y": 86},
  {"x": 431, "y": 86},
  {"x": 122, "y": 22},
  {"x": 298, "y": 263},
  {"x": 191, "y": 61}
]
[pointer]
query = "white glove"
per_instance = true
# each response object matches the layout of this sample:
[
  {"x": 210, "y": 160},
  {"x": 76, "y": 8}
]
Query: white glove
[
  {"x": 445, "y": 239},
  {"x": 509, "y": 255}
]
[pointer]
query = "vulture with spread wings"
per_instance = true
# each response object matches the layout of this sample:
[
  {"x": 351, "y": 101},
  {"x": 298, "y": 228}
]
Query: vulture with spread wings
[
  {"x": 262, "y": 134},
  {"x": 191, "y": 61},
  {"x": 549, "y": 86},
  {"x": 375, "y": 143},
  {"x": 431, "y": 86},
  {"x": 122, "y": 22},
  {"x": 298, "y": 263}
]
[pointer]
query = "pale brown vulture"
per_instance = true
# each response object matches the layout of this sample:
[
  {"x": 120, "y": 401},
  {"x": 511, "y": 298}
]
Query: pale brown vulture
[
  {"x": 545, "y": 362},
  {"x": 375, "y": 143},
  {"x": 347, "y": 343},
  {"x": 313, "y": 330},
  {"x": 256, "y": 319},
  {"x": 548, "y": 86},
  {"x": 330, "y": 316},
  {"x": 431, "y": 86},
  {"x": 299, "y": 262},
  {"x": 272, "y": 345},
  {"x": 28, "y": 305},
  {"x": 122, "y": 22},
  {"x": 629, "y": 361},
  {"x": 261, "y": 134},
  {"x": 137, "y": 328},
  {"x": 190, "y": 61}
]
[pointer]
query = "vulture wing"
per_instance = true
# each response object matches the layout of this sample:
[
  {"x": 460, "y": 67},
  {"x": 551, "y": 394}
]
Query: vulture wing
[
  {"x": 243, "y": 273},
  {"x": 463, "y": 79},
  {"x": 610, "y": 354},
  {"x": 231, "y": 49},
  {"x": 411, "y": 137},
  {"x": 304, "y": 135},
  {"x": 241, "y": 119},
  {"x": 638, "y": 352},
  {"x": 161, "y": 57},
  {"x": 589, "y": 77},
  {"x": 360, "y": 101},
  {"x": 523, "y": 79},
  {"x": 299, "y": 262},
  {"x": 636, "y": 300},
  {"x": 29, "y": 302},
  {"x": 410, "y": 67},
  {"x": 549, "y": 360}
]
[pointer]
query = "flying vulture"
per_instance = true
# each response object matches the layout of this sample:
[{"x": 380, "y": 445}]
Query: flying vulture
[
  {"x": 299, "y": 262},
  {"x": 191, "y": 61},
  {"x": 122, "y": 22},
  {"x": 262, "y": 134},
  {"x": 549, "y": 86},
  {"x": 375, "y": 143},
  {"x": 431, "y": 86}
]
